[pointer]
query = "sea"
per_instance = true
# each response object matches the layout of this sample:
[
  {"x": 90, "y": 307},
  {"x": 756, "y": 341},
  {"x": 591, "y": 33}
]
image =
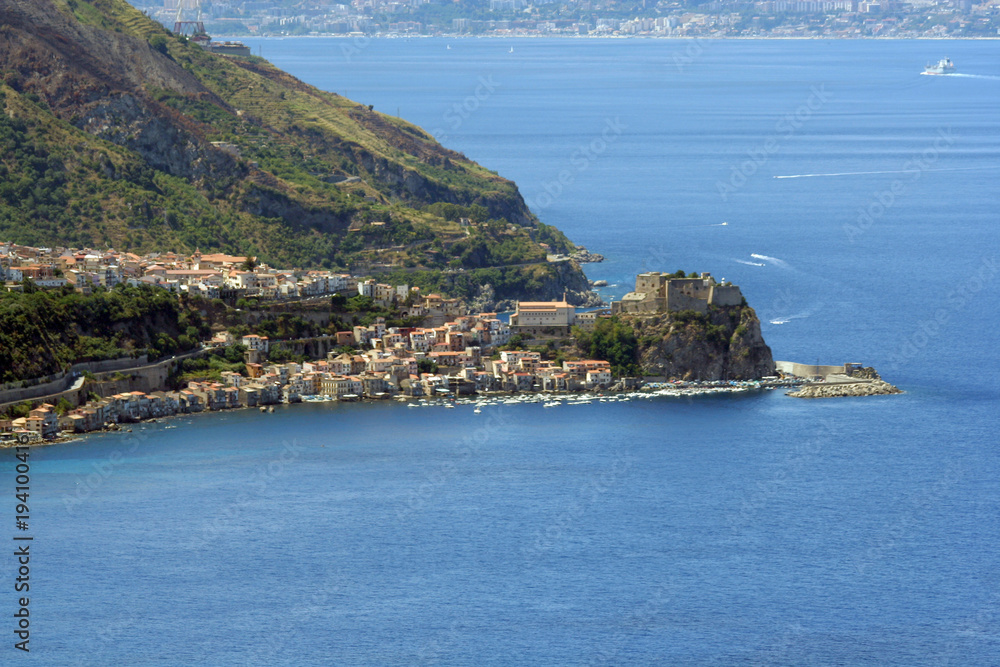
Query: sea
[{"x": 855, "y": 202}]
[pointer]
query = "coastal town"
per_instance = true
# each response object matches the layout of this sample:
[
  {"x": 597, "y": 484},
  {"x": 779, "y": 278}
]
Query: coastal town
[
  {"x": 453, "y": 354},
  {"x": 449, "y": 355},
  {"x": 213, "y": 276},
  {"x": 843, "y": 19}
]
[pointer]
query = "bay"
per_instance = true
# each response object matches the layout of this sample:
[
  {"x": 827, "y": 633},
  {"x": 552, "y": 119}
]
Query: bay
[{"x": 752, "y": 529}]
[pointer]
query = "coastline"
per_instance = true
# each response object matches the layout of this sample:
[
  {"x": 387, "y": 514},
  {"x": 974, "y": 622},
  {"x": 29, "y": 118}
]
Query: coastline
[{"x": 651, "y": 390}]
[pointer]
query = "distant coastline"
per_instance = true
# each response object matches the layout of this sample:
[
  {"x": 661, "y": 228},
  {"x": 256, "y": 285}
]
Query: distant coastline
[{"x": 679, "y": 38}]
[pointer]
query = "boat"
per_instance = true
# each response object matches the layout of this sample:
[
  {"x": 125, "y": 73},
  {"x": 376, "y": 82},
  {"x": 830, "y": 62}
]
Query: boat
[
  {"x": 944, "y": 66},
  {"x": 511, "y": 50}
]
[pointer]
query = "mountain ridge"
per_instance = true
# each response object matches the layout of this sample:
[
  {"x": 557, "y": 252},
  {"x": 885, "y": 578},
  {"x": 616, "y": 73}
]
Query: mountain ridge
[{"x": 117, "y": 132}]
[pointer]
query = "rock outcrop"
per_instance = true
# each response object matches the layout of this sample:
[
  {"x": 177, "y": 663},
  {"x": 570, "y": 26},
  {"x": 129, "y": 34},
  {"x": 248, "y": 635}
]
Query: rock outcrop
[{"x": 725, "y": 344}]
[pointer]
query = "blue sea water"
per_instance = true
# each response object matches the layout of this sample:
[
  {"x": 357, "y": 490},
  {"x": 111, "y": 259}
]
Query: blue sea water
[{"x": 750, "y": 530}]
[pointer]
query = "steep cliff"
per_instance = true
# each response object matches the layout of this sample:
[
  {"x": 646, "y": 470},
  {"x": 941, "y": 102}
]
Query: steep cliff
[
  {"x": 725, "y": 344},
  {"x": 116, "y": 132}
]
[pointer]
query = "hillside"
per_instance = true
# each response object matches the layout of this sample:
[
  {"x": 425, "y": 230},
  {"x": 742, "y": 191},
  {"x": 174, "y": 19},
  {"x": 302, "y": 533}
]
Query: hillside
[{"x": 115, "y": 132}]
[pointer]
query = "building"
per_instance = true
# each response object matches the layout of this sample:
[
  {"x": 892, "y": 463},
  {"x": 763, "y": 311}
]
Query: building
[
  {"x": 255, "y": 343},
  {"x": 535, "y": 316},
  {"x": 588, "y": 320},
  {"x": 657, "y": 292}
]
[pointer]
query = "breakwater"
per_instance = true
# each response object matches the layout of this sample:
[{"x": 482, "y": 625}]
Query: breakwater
[{"x": 836, "y": 389}]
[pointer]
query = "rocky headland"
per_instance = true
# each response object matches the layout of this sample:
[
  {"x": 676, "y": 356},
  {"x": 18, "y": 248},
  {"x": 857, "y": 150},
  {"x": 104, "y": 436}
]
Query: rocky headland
[{"x": 723, "y": 344}]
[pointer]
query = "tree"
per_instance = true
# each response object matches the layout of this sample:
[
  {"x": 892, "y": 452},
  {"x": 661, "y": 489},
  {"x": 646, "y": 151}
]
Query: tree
[
  {"x": 427, "y": 366},
  {"x": 20, "y": 410},
  {"x": 249, "y": 264},
  {"x": 234, "y": 353},
  {"x": 158, "y": 43},
  {"x": 613, "y": 341}
]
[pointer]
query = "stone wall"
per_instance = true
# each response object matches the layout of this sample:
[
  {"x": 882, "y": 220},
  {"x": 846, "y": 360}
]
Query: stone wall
[
  {"x": 151, "y": 377},
  {"x": 807, "y": 370},
  {"x": 314, "y": 348},
  {"x": 729, "y": 295},
  {"x": 542, "y": 331},
  {"x": 110, "y": 364},
  {"x": 60, "y": 382},
  {"x": 16, "y": 395},
  {"x": 678, "y": 300}
]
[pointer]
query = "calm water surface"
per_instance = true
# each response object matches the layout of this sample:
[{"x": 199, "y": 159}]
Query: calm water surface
[{"x": 750, "y": 530}]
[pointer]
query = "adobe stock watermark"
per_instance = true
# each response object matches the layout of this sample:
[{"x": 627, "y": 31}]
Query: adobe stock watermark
[
  {"x": 800, "y": 457},
  {"x": 589, "y": 493},
  {"x": 781, "y": 303},
  {"x": 434, "y": 649},
  {"x": 786, "y": 649},
  {"x": 906, "y": 522},
  {"x": 639, "y": 620},
  {"x": 955, "y": 301},
  {"x": 885, "y": 199},
  {"x": 692, "y": 51},
  {"x": 980, "y": 628},
  {"x": 740, "y": 174},
  {"x": 355, "y": 47},
  {"x": 259, "y": 481},
  {"x": 87, "y": 485},
  {"x": 580, "y": 161},
  {"x": 656, "y": 259},
  {"x": 459, "y": 112},
  {"x": 470, "y": 445},
  {"x": 289, "y": 629}
]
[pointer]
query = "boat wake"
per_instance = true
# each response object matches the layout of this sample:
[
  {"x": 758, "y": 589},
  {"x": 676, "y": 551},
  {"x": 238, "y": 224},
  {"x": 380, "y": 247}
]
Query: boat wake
[
  {"x": 789, "y": 318},
  {"x": 743, "y": 261},
  {"x": 771, "y": 260},
  {"x": 890, "y": 171},
  {"x": 965, "y": 76}
]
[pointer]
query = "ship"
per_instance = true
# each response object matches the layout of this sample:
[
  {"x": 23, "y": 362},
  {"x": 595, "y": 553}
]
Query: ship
[{"x": 944, "y": 66}]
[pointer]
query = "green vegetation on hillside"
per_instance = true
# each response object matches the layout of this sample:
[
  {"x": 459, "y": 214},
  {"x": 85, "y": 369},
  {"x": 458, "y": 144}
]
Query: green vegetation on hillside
[
  {"x": 123, "y": 134},
  {"x": 612, "y": 340},
  {"x": 44, "y": 332}
]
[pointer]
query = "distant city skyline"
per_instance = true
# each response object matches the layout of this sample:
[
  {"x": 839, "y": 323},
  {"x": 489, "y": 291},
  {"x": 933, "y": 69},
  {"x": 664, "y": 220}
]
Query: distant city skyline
[{"x": 593, "y": 18}]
